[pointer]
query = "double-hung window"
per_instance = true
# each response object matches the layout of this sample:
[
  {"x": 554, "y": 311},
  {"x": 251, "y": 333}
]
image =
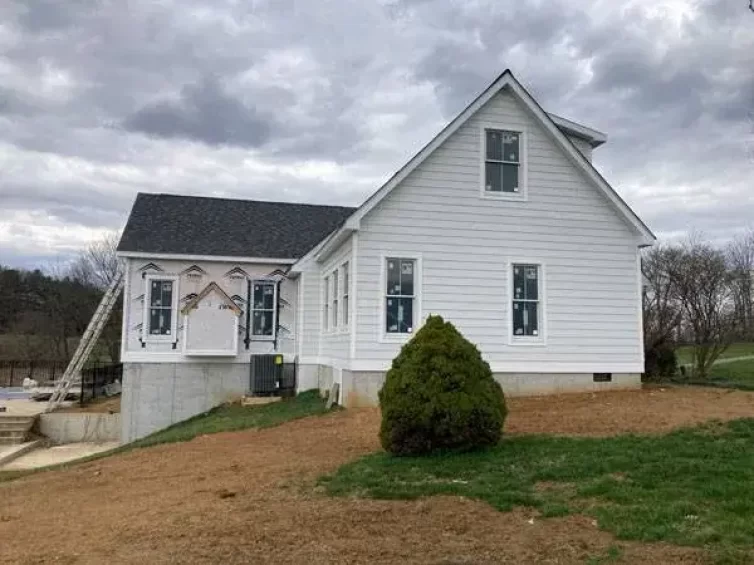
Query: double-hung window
[
  {"x": 346, "y": 285},
  {"x": 335, "y": 299},
  {"x": 326, "y": 304},
  {"x": 400, "y": 295},
  {"x": 526, "y": 305},
  {"x": 263, "y": 309},
  {"x": 502, "y": 162},
  {"x": 161, "y": 304}
]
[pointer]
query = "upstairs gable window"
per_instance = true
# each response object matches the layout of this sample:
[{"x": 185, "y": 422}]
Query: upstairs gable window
[{"x": 502, "y": 162}]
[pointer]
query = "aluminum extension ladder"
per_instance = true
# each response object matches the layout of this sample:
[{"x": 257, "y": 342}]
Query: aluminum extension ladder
[{"x": 88, "y": 340}]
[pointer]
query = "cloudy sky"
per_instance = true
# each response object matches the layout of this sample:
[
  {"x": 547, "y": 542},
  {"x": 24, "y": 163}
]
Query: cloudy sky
[{"x": 322, "y": 101}]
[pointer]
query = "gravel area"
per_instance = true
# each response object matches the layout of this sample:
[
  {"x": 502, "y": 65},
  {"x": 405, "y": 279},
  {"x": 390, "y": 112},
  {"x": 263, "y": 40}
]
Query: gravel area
[{"x": 250, "y": 497}]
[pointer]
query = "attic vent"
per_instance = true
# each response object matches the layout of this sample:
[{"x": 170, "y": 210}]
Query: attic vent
[
  {"x": 194, "y": 272},
  {"x": 237, "y": 273},
  {"x": 602, "y": 377},
  {"x": 149, "y": 267}
]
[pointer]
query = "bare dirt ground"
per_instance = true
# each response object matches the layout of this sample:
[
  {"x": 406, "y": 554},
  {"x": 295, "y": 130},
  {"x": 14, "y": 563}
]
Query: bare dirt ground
[
  {"x": 249, "y": 497},
  {"x": 103, "y": 406}
]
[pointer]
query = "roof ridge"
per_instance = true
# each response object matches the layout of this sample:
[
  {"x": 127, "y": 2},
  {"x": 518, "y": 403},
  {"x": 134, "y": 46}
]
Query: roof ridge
[{"x": 203, "y": 197}]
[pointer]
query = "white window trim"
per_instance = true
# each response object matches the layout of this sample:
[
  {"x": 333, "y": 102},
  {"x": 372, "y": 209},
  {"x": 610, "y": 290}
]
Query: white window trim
[
  {"x": 345, "y": 292},
  {"x": 383, "y": 335},
  {"x": 541, "y": 339},
  {"x": 272, "y": 337},
  {"x": 146, "y": 336},
  {"x": 523, "y": 168}
]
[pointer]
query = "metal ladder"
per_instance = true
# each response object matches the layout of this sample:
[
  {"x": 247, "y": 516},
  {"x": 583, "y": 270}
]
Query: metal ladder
[{"x": 88, "y": 340}]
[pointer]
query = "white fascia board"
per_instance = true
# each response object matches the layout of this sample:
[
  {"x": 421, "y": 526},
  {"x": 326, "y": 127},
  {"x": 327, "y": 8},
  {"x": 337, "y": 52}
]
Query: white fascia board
[
  {"x": 340, "y": 237},
  {"x": 594, "y": 137},
  {"x": 219, "y": 258}
]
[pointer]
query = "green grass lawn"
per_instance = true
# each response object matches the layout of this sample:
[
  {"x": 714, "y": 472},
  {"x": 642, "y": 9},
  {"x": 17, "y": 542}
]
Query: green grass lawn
[
  {"x": 684, "y": 353},
  {"x": 225, "y": 418},
  {"x": 736, "y": 374},
  {"x": 690, "y": 487}
]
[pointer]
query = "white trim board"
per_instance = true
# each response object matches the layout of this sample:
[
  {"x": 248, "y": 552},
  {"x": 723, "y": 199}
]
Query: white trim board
[
  {"x": 221, "y": 258},
  {"x": 521, "y": 367}
]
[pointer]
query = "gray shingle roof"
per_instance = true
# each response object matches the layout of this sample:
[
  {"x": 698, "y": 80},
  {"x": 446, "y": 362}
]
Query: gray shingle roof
[{"x": 193, "y": 225}]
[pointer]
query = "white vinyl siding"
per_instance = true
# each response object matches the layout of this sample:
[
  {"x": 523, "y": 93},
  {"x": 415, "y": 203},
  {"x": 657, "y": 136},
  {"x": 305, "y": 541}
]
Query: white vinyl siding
[{"x": 468, "y": 243}]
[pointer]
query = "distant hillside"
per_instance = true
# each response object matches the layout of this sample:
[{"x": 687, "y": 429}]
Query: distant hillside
[{"x": 43, "y": 316}]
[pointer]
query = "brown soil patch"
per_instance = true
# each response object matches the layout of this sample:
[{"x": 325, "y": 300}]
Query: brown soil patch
[
  {"x": 248, "y": 497},
  {"x": 650, "y": 410},
  {"x": 104, "y": 406}
]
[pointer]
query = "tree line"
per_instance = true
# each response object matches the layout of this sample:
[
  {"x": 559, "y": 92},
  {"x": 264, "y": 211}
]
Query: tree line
[
  {"x": 43, "y": 313},
  {"x": 700, "y": 294}
]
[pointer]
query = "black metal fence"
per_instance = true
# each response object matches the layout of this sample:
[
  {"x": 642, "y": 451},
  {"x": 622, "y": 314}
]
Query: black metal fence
[
  {"x": 96, "y": 378},
  {"x": 46, "y": 373}
]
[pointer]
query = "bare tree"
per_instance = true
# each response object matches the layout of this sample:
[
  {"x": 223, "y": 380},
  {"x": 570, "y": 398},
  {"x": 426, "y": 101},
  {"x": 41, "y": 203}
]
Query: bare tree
[
  {"x": 702, "y": 285},
  {"x": 97, "y": 264},
  {"x": 740, "y": 255},
  {"x": 661, "y": 307}
]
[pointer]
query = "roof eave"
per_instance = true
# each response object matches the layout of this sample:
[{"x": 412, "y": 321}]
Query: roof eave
[{"x": 592, "y": 136}]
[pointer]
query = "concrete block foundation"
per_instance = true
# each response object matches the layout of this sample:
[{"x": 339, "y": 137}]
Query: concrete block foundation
[
  {"x": 157, "y": 395},
  {"x": 70, "y": 427},
  {"x": 362, "y": 388}
]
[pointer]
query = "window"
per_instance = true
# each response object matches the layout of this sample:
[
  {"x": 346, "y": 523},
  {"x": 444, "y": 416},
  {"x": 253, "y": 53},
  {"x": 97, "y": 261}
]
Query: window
[
  {"x": 502, "y": 161},
  {"x": 335, "y": 299},
  {"x": 263, "y": 309},
  {"x": 326, "y": 313},
  {"x": 346, "y": 285},
  {"x": 160, "y": 319},
  {"x": 526, "y": 301},
  {"x": 400, "y": 295}
]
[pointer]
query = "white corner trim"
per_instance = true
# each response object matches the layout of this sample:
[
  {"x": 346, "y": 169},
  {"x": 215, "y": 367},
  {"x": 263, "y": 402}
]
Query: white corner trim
[
  {"x": 146, "y": 336},
  {"x": 523, "y": 168},
  {"x": 125, "y": 318},
  {"x": 527, "y": 341},
  {"x": 222, "y": 258},
  {"x": 382, "y": 335}
]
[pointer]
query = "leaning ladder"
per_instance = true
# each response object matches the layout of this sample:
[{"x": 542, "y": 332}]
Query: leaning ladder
[{"x": 88, "y": 340}]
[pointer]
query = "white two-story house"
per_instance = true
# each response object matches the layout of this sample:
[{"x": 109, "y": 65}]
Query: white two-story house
[{"x": 500, "y": 224}]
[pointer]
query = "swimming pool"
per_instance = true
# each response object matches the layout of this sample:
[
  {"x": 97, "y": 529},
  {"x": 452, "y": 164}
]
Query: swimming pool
[{"x": 14, "y": 393}]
